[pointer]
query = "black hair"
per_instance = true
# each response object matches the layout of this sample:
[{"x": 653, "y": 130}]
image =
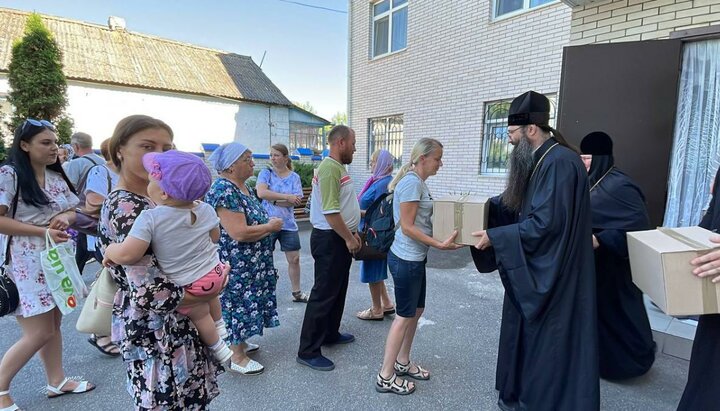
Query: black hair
[{"x": 32, "y": 193}]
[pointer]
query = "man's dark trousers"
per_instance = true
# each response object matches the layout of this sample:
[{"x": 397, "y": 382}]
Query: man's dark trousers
[{"x": 327, "y": 299}]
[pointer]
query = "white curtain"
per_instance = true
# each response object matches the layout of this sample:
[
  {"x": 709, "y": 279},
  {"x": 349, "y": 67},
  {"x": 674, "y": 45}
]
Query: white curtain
[{"x": 696, "y": 147}]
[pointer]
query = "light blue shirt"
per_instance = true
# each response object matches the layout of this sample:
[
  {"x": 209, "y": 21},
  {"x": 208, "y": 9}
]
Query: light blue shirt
[
  {"x": 289, "y": 184},
  {"x": 412, "y": 189}
]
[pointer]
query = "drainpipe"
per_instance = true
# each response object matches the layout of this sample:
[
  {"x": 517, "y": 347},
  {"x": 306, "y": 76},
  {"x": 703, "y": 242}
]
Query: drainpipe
[{"x": 349, "y": 68}]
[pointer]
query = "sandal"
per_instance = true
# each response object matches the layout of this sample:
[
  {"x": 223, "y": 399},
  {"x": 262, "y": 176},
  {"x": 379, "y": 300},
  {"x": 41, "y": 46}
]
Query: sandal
[
  {"x": 369, "y": 315},
  {"x": 11, "y": 407},
  {"x": 388, "y": 310},
  {"x": 391, "y": 385},
  {"x": 107, "y": 349},
  {"x": 83, "y": 386},
  {"x": 299, "y": 297},
  {"x": 404, "y": 369}
]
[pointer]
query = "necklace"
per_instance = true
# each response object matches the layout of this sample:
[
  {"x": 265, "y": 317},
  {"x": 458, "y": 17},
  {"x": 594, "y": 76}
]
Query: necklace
[
  {"x": 541, "y": 159},
  {"x": 601, "y": 178}
]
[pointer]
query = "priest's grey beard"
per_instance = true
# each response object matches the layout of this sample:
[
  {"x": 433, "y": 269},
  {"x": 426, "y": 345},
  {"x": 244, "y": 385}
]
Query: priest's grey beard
[{"x": 521, "y": 167}]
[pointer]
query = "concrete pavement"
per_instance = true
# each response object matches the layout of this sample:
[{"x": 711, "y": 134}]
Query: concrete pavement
[{"x": 457, "y": 341}]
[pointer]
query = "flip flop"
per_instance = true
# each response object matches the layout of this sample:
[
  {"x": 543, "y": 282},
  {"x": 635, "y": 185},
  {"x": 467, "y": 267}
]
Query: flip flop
[{"x": 105, "y": 349}]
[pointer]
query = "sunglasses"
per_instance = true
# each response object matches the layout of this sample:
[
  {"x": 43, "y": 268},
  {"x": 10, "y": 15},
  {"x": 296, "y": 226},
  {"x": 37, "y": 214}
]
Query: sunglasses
[{"x": 36, "y": 123}]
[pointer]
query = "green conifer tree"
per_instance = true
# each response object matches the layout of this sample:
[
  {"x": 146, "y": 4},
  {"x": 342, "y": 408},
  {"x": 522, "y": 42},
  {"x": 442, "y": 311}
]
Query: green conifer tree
[{"x": 37, "y": 82}]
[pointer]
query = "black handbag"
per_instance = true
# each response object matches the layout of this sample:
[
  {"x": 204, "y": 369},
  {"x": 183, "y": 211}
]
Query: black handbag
[
  {"x": 9, "y": 297},
  {"x": 368, "y": 252}
]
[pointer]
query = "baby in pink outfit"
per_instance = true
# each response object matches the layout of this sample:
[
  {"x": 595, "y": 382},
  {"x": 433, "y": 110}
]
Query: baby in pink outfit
[{"x": 183, "y": 234}]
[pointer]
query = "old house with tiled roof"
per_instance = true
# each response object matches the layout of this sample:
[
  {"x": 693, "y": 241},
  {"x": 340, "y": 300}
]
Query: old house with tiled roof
[{"x": 205, "y": 95}]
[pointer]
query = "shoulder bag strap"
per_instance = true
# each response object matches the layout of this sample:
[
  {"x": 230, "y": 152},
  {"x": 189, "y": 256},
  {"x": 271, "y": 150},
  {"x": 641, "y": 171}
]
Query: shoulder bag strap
[{"x": 14, "y": 209}]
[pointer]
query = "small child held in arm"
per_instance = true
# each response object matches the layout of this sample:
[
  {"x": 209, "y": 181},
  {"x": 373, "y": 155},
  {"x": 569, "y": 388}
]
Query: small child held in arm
[{"x": 183, "y": 234}]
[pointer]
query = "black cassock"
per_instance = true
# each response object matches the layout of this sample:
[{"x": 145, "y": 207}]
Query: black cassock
[
  {"x": 701, "y": 391},
  {"x": 625, "y": 339},
  {"x": 548, "y": 354}
]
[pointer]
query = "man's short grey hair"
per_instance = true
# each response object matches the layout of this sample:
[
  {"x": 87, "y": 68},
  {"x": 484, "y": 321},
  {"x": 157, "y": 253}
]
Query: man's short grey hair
[{"x": 83, "y": 140}]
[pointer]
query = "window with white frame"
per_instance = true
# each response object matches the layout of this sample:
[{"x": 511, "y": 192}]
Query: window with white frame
[
  {"x": 503, "y": 7},
  {"x": 386, "y": 133},
  {"x": 496, "y": 147},
  {"x": 389, "y": 33}
]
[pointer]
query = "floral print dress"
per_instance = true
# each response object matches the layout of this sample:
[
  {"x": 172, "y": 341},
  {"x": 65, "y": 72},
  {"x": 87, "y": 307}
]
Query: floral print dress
[
  {"x": 168, "y": 367},
  {"x": 25, "y": 268},
  {"x": 248, "y": 301}
]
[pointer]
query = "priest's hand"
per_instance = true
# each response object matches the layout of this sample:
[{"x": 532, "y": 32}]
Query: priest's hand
[
  {"x": 484, "y": 240},
  {"x": 708, "y": 264},
  {"x": 596, "y": 243}
]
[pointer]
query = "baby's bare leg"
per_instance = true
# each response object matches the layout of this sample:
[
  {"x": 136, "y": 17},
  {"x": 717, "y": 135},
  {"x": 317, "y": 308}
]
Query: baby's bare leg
[
  {"x": 215, "y": 309},
  {"x": 200, "y": 316}
]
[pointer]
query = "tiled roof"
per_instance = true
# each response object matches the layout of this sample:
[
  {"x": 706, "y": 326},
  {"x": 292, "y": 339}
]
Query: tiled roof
[{"x": 98, "y": 54}]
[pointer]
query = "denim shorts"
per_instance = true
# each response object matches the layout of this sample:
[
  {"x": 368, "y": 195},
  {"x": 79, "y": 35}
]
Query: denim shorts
[
  {"x": 289, "y": 240},
  {"x": 410, "y": 283}
]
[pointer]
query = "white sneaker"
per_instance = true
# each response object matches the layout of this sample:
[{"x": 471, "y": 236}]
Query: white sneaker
[
  {"x": 252, "y": 368},
  {"x": 251, "y": 347}
]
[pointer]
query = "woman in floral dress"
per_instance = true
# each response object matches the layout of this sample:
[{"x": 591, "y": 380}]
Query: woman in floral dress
[
  {"x": 168, "y": 367},
  {"x": 248, "y": 301},
  {"x": 44, "y": 204}
]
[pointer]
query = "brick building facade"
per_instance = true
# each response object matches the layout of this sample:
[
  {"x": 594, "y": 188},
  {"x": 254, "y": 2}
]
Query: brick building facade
[{"x": 457, "y": 61}]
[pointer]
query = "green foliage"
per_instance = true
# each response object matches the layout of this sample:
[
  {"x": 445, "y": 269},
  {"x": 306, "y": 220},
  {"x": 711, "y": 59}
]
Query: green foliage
[
  {"x": 305, "y": 171},
  {"x": 37, "y": 82},
  {"x": 64, "y": 128},
  {"x": 3, "y": 153},
  {"x": 339, "y": 118},
  {"x": 306, "y": 106},
  {"x": 252, "y": 181}
]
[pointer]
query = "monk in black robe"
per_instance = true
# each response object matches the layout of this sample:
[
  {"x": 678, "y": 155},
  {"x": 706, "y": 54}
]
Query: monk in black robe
[
  {"x": 542, "y": 247},
  {"x": 625, "y": 339},
  {"x": 701, "y": 391}
]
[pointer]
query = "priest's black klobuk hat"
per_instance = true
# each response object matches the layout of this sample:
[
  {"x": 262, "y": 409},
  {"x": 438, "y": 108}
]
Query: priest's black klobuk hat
[
  {"x": 529, "y": 108},
  {"x": 597, "y": 143}
]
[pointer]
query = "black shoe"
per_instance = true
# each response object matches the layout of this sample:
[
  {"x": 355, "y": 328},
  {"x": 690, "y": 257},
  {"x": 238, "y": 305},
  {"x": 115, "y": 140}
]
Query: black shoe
[
  {"x": 319, "y": 363},
  {"x": 345, "y": 338}
]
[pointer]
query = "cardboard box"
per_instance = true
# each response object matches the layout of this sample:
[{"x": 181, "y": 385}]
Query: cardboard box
[
  {"x": 463, "y": 213},
  {"x": 660, "y": 264}
]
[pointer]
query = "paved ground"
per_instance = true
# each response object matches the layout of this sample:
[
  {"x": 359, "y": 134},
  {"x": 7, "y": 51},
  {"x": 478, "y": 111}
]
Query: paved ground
[{"x": 457, "y": 341}]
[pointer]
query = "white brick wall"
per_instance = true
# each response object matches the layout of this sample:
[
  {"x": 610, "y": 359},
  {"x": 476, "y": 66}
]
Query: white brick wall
[
  {"x": 457, "y": 58},
  {"x": 609, "y": 21}
]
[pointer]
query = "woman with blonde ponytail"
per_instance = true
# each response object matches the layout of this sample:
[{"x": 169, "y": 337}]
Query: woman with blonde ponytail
[{"x": 412, "y": 208}]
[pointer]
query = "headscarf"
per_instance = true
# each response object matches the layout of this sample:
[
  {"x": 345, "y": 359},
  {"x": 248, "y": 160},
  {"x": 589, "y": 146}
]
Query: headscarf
[
  {"x": 70, "y": 151},
  {"x": 383, "y": 168},
  {"x": 225, "y": 155}
]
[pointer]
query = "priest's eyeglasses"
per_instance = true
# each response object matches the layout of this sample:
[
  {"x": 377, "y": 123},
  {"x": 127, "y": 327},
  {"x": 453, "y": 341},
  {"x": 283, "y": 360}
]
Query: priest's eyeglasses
[{"x": 510, "y": 132}]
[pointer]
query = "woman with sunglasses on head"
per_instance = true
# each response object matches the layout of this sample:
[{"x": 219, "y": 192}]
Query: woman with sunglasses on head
[{"x": 44, "y": 204}]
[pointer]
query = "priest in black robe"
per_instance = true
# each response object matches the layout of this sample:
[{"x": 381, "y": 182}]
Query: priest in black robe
[
  {"x": 541, "y": 244},
  {"x": 625, "y": 339},
  {"x": 701, "y": 391}
]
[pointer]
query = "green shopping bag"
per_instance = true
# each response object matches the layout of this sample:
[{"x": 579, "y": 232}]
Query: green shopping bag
[{"x": 62, "y": 274}]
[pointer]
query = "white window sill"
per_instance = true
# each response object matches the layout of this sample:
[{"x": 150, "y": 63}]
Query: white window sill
[
  {"x": 509, "y": 16},
  {"x": 392, "y": 53}
]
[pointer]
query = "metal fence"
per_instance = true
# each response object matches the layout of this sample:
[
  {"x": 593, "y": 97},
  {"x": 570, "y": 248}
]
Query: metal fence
[
  {"x": 386, "y": 133},
  {"x": 306, "y": 136}
]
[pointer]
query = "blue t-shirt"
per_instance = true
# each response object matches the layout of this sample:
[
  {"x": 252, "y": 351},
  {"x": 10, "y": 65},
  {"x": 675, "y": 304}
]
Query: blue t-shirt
[
  {"x": 373, "y": 192},
  {"x": 289, "y": 184},
  {"x": 412, "y": 189}
]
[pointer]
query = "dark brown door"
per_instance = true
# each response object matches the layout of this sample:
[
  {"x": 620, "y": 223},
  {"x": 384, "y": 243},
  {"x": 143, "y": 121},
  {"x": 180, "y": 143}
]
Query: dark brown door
[{"x": 628, "y": 90}]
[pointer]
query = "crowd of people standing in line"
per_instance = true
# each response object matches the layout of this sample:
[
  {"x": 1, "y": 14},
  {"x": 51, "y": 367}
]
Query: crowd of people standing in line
[{"x": 188, "y": 302}]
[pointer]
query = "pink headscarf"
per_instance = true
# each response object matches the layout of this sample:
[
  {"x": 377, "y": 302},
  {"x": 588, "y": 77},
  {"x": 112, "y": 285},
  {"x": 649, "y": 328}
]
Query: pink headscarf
[{"x": 383, "y": 168}]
